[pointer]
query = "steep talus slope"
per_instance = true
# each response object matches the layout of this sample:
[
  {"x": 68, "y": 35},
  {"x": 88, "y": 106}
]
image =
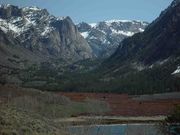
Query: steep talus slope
[{"x": 104, "y": 37}]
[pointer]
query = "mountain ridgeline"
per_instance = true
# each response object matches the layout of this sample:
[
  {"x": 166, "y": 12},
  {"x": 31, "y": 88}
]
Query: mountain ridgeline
[
  {"x": 42, "y": 35},
  {"x": 104, "y": 37},
  {"x": 159, "y": 41},
  {"x": 140, "y": 58},
  {"x": 33, "y": 42},
  {"x": 146, "y": 62}
]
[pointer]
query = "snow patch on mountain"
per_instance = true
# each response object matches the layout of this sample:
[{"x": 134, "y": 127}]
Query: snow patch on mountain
[
  {"x": 109, "y": 22},
  {"x": 177, "y": 71},
  {"x": 61, "y": 18},
  {"x": 85, "y": 34},
  {"x": 93, "y": 37},
  {"x": 120, "y": 32},
  {"x": 5, "y": 30},
  {"x": 141, "y": 30},
  {"x": 32, "y": 17},
  {"x": 105, "y": 36},
  {"x": 47, "y": 30},
  {"x": 11, "y": 26},
  {"x": 34, "y": 8},
  {"x": 93, "y": 24},
  {"x": 36, "y": 30}
]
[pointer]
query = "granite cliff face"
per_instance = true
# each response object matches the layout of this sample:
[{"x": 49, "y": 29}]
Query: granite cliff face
[{"x": 37, "y": 31}]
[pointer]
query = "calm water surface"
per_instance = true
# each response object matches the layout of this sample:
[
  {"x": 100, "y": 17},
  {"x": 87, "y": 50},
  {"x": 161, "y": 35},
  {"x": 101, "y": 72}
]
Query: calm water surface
[{"x": 120, "y": 129}]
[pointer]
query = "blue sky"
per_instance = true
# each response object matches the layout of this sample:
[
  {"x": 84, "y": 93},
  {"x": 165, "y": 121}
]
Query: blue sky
[{"x": 99, "y": 10}]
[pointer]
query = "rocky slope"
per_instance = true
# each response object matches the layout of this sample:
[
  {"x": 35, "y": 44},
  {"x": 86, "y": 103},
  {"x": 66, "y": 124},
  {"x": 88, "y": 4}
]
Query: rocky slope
[
  {"x": 159, "y": 43},
  {"x": 143, "y": 63},
  {"x": 104, "y": 37},
  {"x": 35, "y": 30},
  {"x": 148, "y": 60},
  {"x": 33, "y": 40}
]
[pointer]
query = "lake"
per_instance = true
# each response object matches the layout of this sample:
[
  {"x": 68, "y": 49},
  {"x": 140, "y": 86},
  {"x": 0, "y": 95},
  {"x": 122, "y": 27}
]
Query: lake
[{"x": 119, "y": 129}]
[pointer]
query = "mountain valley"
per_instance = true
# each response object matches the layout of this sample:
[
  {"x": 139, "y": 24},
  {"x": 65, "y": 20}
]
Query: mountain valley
[{"x": 110, "y": 56}]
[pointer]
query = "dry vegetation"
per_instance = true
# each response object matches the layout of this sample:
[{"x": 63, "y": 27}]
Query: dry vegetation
[
  {"x": 128, "y": 105},
  {"x": 29, "y": 111}
]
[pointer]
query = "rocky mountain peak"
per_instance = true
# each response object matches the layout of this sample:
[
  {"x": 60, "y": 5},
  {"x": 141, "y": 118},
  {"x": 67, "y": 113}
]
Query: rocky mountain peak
[
  {"x": 83, "y": 27},
  {"x": 104, "y": 37},
  {"x": 34, "y": 10},
  {"x": 149, "y": 60},
  {"x": 38, "y": 31}
]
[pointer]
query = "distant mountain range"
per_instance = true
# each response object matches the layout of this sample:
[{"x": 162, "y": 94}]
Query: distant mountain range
[
  {"x": 42, "y": 37},
  {"x": 147, "y": 61},
  {"x": 158, "y": 44},
  {"x": 104, "y": 37},
  {"x": 46, "y": 52}
]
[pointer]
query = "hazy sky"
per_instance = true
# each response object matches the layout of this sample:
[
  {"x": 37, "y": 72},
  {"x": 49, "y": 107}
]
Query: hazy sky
[{"x": 99, "y": 10}]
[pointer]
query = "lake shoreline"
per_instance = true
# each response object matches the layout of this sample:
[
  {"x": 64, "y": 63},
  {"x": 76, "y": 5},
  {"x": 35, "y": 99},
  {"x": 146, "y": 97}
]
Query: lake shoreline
[
  {"x": 117, "y": 129},
  {"x": 109, "y": 120}
]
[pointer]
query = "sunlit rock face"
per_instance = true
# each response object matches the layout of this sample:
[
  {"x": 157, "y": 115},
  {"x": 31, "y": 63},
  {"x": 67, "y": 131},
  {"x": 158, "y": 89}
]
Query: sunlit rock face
[{"x": 38, "y": 31}]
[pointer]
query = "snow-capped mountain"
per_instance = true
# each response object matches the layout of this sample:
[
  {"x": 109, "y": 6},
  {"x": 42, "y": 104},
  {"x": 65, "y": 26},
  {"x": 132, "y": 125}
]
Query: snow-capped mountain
[
  {"x": 104, "y": 37},
  {"x": 44, "y": 34},
  {"x": 177, "y": 72},
  {"x": 35, "y": 29},
  {"x": 149, "y": 60}
]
